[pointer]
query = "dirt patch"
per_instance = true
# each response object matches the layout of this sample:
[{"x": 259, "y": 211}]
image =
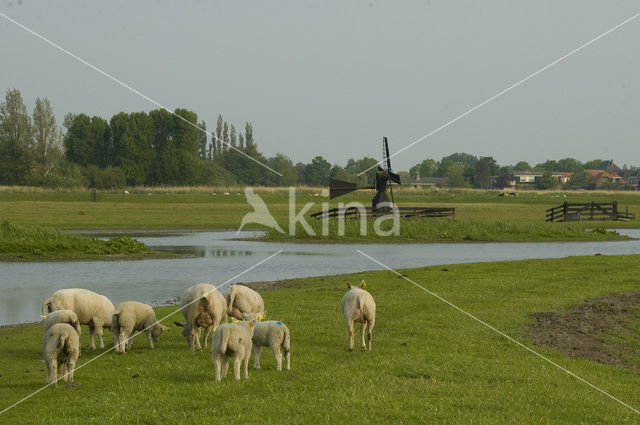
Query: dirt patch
[
  {"x": 593, "y": 330},
  {"x": 269, "y": 285}
]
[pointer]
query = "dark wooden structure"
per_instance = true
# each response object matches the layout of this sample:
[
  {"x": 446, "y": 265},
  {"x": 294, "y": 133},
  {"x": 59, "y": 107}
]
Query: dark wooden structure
[
  {"x": 589, "y": 211},
  {"x": 403, "y": 212}
]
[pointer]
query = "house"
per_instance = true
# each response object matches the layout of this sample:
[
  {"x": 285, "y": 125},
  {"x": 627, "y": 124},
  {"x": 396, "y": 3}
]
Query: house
[
  {"x": 428, "y": 182},
  {"x": 609, "y": 167},
  {"x": 600, "y": 177},
  {"x": 530, "y": 178},
  {"x": 632, "y": 177}
]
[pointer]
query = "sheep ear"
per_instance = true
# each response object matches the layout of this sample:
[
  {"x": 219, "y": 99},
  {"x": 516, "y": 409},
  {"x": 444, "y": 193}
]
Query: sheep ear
[
  {"x": 252, "y": 323},
  {"x": 262, "y": 316},
  {"x": 363, "y": 284},
  {"x": 348, "y": 285},
  {"x": 179, "y": 324}
]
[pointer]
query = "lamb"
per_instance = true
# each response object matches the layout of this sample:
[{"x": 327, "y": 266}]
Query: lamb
[
  {"x": 358, "y": 306},
  {"x": 272, "y": 334},
  {"x": 133, "y": 316},
  {"x": 62, "y": 316},
  {"x": 241, "y": 299},
  {"x": 202, "y": 307},
  {"x": 61, "y": 348},
  {"x": 232, "y": 339},
  {"x": 92, "y": 309}
]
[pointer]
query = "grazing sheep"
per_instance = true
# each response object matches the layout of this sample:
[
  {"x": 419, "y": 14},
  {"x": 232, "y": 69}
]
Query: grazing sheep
[
  {"x": 202, "y": 307},
  {"x": 62, "y": 316},
  {"x": 241, "y": 299},
  {"x": 92, "y": 309},
  {"x": 358, "y": 306},
  {"x": 232, "y": 339},
  {"x": 133, "y": 316},
  {"x": 61, "y": 348},
  {"x": 272, "y": 334}
]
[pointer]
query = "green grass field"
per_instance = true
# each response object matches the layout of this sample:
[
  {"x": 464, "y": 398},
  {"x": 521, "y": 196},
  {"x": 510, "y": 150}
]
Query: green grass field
[{"x": 429, "y": 364}]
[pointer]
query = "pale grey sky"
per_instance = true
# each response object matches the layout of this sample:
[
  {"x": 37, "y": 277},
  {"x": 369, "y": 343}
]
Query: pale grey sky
[{"x": 331, "y": 78}]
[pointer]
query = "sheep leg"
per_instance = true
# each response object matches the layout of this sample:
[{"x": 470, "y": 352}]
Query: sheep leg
[
  {"x": 70, "y": 368},
  {"x": 255, "y": 352},
  {"x": 150, "y": 339},
  {"x": 60, "y": 371},
  {"x": 287, "y": 356},
  {"x": 245, "y": 364},
  {"x": 116, "y": 340},
  {"x": 236, "y": 365},
  {"x": 92, "y": 331},
  {"x": 370, "y": 331},
  {"x": 362, "y": 329},
  {"x": 218, "y": 365},
  {"x": 276, "y": 352},
  {"x": 52, "y": 370},
  {"x": 225, "y": 365},
  {"x": 98, "y": 327},
  {"x": 350, "y": 330},
  {"x": 122, "y": 341},
  {"x": 195, "y": 339},
  {"x": 207, "y": 332}
]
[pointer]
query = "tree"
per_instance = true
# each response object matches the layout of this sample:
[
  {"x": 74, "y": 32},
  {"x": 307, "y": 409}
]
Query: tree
[
  {"x": 318, "y": 171},
  {"x": 202, "y": 140},
  {"x": 485, "y": 168},
  {"x": 522, "y": 166},
  {"x": 570, "y": 165},
  {"x": 46, "y": 135},
  {"x": 240, "y": 141},
  {"x": 548, "y": 165},
  {"x": 284, "y": 166},
  {"x": 219, "y": 135},
  {"x": 232, "y": 136},
  {"x": 248, "y": 134},
  {"x": 15, "y": 139},
  {"x": 467, "y": 158},
  {"x": 592, "y": 165},
  {"x": 426, "y": 168},
  {"x": 132, "y": 136},
  {"x": 547, "y": 181},
  {"x": 88, "y": 140}
]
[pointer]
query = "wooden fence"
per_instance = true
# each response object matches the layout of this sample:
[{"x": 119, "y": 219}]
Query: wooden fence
[
  {"x": 588, "y": 212},
  {"x": 403, "y": 212}
]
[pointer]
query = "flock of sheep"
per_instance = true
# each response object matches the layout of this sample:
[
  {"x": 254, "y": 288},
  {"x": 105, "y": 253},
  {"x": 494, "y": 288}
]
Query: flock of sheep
[{"x": 202, "y": 306}]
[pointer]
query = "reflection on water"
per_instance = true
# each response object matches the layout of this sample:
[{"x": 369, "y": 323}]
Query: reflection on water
[{"x": 214, "y": 257}]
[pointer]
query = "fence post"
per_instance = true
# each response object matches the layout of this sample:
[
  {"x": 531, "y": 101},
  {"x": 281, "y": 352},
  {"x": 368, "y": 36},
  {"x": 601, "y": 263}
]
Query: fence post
[
  {"x": 565, "y": 210},
  {"x": 592, "y": 207},
  {"x": 615, "y": 210}
]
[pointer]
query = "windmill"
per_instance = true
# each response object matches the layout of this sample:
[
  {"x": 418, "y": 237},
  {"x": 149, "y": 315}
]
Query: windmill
[{"x": 384, "y": 179}]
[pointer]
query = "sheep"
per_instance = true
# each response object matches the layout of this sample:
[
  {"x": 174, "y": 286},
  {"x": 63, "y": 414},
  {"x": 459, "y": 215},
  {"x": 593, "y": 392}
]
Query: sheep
[
  {"x": 241, "y": 299},
  {"x": 358, "y": 306},
  {"x": 232, "y": 339},
  {"x": 92, "y": 309},
  {"x": 274, "y": 334},
  {"x": 202, "y": 307},
  {"x": 133, "y": 316},
  {"x": 61, "y": 348},
  {"x": 62, "y": 316}
]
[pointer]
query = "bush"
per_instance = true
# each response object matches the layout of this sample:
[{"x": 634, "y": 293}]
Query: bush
[
  {"x": 105, "y": 178},
  {"x": 65, "y": 174}
]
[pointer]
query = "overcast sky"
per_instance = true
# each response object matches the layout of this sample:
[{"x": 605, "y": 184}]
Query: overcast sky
[{"x": 331, "y": 78}]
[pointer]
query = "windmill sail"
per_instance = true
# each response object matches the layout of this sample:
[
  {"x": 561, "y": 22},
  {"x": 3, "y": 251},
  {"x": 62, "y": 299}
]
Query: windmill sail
[{"x": 339, "y": 188}]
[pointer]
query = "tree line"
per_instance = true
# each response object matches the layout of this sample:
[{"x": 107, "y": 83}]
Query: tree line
[
  {"x": 469, "y": 171},
  {"x": 160, "y": 148}
]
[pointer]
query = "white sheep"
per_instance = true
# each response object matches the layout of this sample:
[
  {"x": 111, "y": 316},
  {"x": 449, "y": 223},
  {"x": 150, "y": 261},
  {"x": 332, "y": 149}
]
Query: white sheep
[
  {"x": 202, "y": 307},
  {"x": 273, "y": 334},
  {"x": 92, "y": 309},
  {"x": 132, "y": 316},
  {"x": 61, "y": 348},
  {"x": 62, "y": 316},
  {"x": 358, "y": 306},
  {"x": 242, "y": 299},
  {"x": 232, "y": 339}
]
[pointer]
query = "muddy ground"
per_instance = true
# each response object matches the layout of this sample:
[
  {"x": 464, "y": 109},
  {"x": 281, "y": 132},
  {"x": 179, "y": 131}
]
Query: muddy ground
[{"x": 605, "y": 330}]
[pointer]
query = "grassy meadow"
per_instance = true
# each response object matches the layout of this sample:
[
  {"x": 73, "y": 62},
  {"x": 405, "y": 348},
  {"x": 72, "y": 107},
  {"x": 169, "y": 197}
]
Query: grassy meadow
[
  {"x": 480, "y": 215},
  {"x": 429, "y": 364}
]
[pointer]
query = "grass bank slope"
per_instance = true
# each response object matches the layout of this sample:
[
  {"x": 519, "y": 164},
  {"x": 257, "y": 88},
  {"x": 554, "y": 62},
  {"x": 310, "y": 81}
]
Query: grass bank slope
[{"x": 429, "y": 364}]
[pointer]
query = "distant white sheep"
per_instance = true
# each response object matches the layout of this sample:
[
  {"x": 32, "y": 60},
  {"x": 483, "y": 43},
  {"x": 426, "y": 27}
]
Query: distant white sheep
[
  {"x": 92, "y": 309},
  {"x": 202, "y": 307},
  {"x": 273, "y": 334},
  {"x": 60, "y": 348},
  {"x": 133, "y": 316},
  {"x": 62, "y": 316},
  {"x": 358, "y": 306},
  {"x": 232, "y": 339},
  {"x": 242, "y": 299}
]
